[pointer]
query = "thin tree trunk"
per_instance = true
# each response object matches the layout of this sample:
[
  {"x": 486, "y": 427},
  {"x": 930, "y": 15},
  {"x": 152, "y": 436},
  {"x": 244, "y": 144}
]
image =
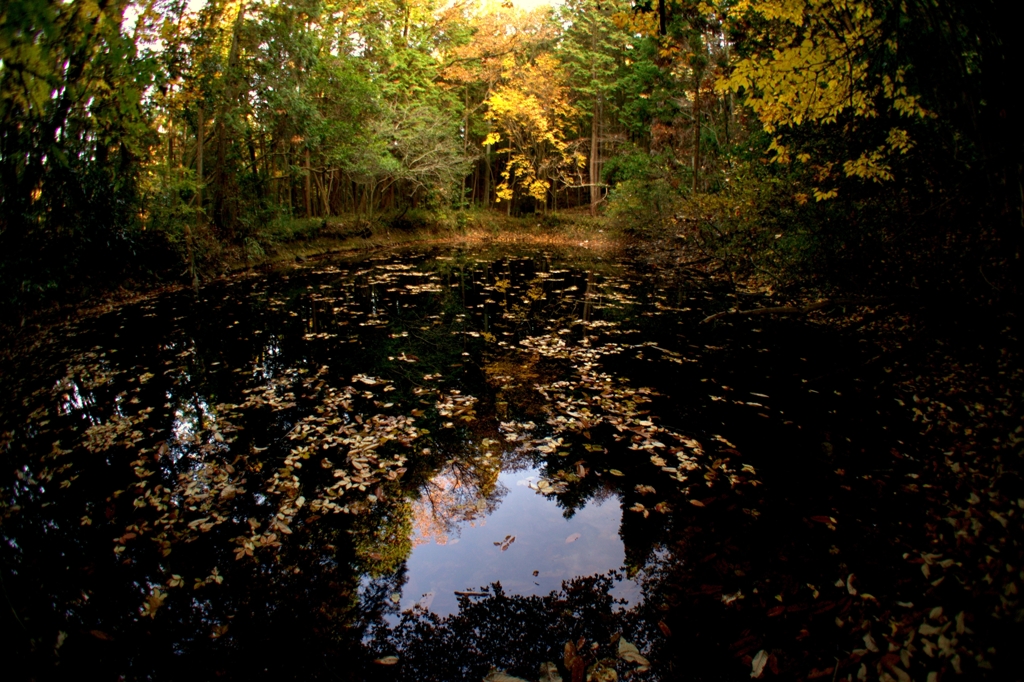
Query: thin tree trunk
[
  {"x": 254, "y": 164},
  {"x": 595, "y": 139},
  {"x": 170, "y": 151},
  {"x": 595, "y": 126},
  {"x": 729, "y": 103},
  {"x": 696, "y": 134},
  {"x": 291, "y": 182},
  {"x": 511, "y": 181},
  {"x": 465, "y": 144},
  {"x": 488, "y": 180},
  {"x": 309, "y": 188},
  {"x": 199, "y": 168},
  {"x": 223, "y": 216},
  {"x": 275, "y": 181}
]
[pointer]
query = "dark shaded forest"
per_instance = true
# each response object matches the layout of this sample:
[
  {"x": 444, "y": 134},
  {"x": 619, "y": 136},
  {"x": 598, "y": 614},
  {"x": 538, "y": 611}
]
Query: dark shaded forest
[{"x": 869, "y": 147}]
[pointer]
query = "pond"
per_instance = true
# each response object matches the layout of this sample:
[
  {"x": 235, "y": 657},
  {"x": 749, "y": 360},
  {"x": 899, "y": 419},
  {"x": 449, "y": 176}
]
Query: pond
[{"x": 429, "y": 465}]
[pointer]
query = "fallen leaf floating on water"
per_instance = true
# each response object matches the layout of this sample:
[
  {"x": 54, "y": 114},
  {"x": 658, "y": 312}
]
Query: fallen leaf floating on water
[
  {"x": 387, "y": 660},
  {"x": 629, "y": 653},
  {"x": 289, "y": 500},
  {"x": 572, "y": 538},
  {"x": 549, "y": 672},
  {"x": 849, "y": 584},
  {"x": 502, "y": 676},
  {"x": 504, "y": 544},
  {"x": 760, "y": 659},
  {"x": 153, "y": 602}
]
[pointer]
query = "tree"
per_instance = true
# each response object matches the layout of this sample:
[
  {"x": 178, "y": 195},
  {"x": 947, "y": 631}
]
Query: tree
[
  {"x": 822, "y": 64},
  {"x": 72, "y": 132},
  {"x": 533, "y": 114},
  {"x": 592, "y": 48}
]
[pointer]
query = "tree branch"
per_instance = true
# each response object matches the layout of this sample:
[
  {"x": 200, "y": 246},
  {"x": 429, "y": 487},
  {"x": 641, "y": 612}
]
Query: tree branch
[{"x": 795, "y": 310}]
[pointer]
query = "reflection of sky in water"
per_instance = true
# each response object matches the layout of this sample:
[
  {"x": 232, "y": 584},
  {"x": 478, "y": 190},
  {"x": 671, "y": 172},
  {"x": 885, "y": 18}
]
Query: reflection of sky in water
[
  {"x": 189, "y": 421},
  {"x": 72, "y": 398},
  {"x": 472, "y": 560}
]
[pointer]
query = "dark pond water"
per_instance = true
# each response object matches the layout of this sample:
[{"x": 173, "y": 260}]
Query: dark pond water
[{"x": 294, "y": 476}]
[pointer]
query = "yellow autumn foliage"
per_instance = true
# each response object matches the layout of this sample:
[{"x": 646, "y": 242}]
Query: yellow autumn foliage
[
  {"x": 532, "y": 114},
  {"x": 818, "y": 70}
]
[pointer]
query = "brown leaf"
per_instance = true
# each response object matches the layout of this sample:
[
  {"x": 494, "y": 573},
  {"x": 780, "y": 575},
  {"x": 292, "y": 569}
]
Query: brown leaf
[{"x": 577, "y": 670}]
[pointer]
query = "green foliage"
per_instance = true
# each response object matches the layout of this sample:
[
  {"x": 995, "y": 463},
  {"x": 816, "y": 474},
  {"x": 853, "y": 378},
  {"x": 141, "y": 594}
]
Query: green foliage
[
  {"x": 645, "y": 192},
  {"x": 633, "y": 165},
  {"x": 120, "y": 160},
  {"x": 642, "y": 207},
  {"x": 72, "y": 130}
]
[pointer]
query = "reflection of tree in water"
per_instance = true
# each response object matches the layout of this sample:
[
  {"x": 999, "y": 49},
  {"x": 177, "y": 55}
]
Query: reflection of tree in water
[
  {"x": 508, "y": 632},
  {"x": 381, "y": 536},
  {"x": 463, "y": 492}
]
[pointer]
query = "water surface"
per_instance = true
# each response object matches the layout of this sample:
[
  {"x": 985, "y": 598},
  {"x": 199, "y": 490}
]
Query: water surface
[{"x": 261, "y": 479}]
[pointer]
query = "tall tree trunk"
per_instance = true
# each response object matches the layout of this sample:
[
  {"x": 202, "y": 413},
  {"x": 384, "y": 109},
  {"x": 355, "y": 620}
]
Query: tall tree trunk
[
  {"x": 189, "y": 239},
  {"x": 170, "y": 151},
  {"x": 309, "y": 188},
  {"x": 730, "y": 108},
  {"x": 488, "y": 180},
  {"x": 595, "y": 156},
  {"x": 595, "y": 124},
  {"x": 465, "y": 142},
  {"x": 476, "y": 184},
  {"x": 200, "y": 134},
  {"x": 222, "y": 215},
  {"x": 254, "y": 164},
  {"x": 511, "y": 182},
  {"x": 290, "y": 180},
  {"x": 696, "y": 133}
]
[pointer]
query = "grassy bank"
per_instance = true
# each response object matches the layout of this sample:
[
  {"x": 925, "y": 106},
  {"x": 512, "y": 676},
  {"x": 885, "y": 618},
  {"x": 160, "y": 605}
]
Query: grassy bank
[
  {"x": 303, "y": 239},
  {"x": 291, "y": 241}
]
